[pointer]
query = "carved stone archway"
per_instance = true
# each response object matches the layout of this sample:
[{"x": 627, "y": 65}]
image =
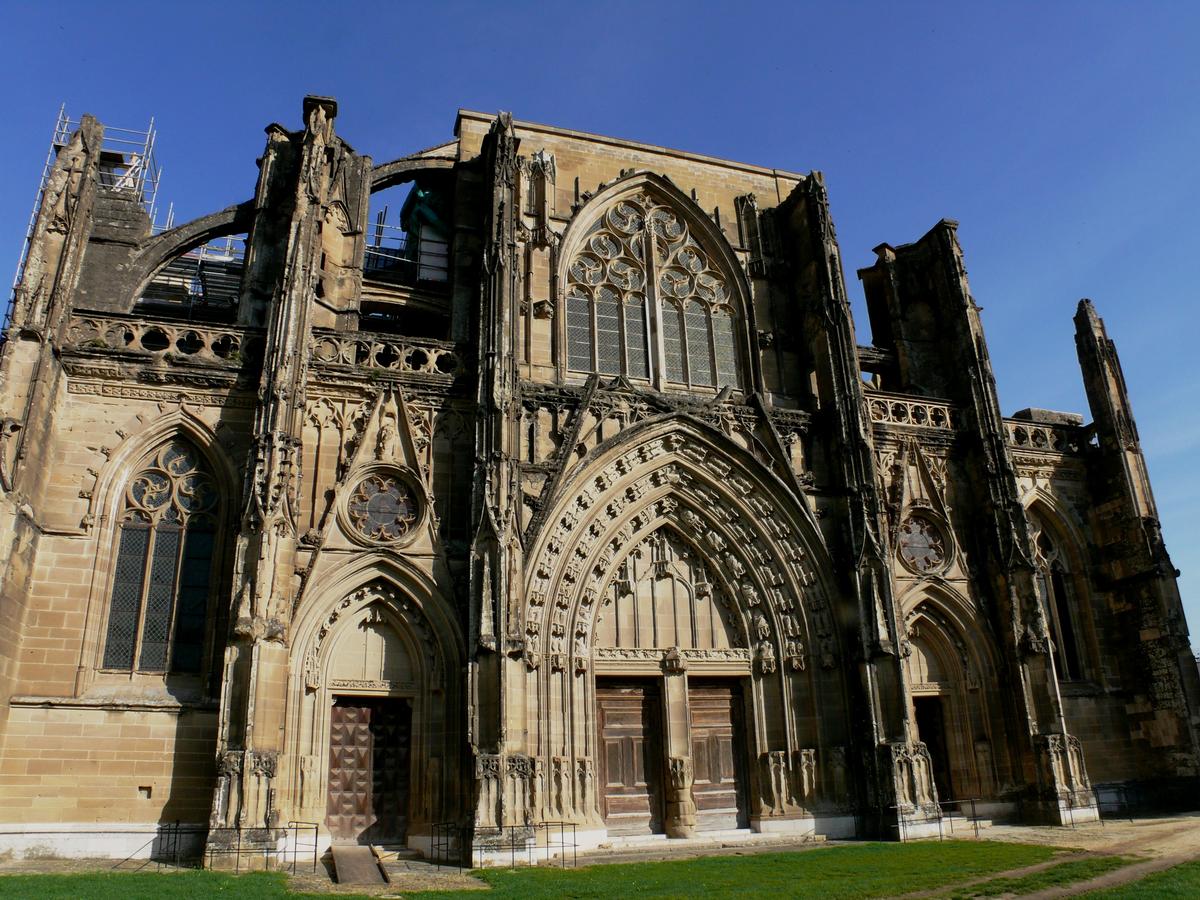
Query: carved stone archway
[
  {"x": 374, "y": 643},
  {"x": 761, "y": 556},
  {"x": 951, "y": 673}
]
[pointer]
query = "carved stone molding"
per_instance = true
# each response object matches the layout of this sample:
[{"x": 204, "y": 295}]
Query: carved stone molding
[
  {"x": 438, "y": 360},
  {"x": 895, "y": 409}
]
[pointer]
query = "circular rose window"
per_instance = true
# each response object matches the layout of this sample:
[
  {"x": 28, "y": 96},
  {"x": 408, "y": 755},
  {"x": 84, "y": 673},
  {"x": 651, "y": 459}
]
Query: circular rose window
[
  {"x": 383, "y": 507},
  {"x": 922, "y": 546}
]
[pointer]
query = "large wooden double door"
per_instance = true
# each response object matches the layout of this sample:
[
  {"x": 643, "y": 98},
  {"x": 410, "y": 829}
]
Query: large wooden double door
[
  {"x": 369, "y": 759},
  {"x": 633, "y": 761}
]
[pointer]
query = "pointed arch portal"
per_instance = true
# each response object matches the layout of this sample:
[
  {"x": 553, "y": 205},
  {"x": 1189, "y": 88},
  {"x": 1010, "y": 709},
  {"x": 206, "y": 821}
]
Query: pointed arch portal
[
  {"x": 951, "y": 678},
  {"x": 374, "y": 738},
  {"x": 677, "y": 631}
]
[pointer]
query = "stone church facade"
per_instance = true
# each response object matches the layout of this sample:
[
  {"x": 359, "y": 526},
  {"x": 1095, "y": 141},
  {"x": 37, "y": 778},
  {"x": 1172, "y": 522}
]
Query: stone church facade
[{"x": 579, "y": 501}]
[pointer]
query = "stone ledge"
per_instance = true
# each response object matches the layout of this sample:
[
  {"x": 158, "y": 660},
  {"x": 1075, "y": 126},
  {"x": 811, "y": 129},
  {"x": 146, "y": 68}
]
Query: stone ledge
[{"x": 116, "y": 704}]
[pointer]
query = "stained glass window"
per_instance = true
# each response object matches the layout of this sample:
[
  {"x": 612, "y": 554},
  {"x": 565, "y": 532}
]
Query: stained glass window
[
  {"x": 160, "y": 590},
  {"x": 672, "y": 329},
  {"x": 608, "y": 331},
  {"x": 579, "y": 331},
  {"x": 699, "y": 352},
  {"x": 641, "y": 246},
  {"x": 922, "y": 546},
  {"x": 722, "y": 324},
  {"x": 635, "y": 337}
]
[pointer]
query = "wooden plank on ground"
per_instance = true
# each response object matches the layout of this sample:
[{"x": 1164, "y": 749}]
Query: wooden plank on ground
[{"x": 355, "y": 864}]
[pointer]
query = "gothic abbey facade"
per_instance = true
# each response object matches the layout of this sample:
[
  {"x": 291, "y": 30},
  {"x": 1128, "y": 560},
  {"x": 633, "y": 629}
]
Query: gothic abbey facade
[{"x": 574, "y": 497}]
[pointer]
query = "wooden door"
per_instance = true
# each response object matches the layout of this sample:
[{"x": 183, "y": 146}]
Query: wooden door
[
  {"x": 631, "y": 762},
  {"x": 369, "y": 745},
  {"x": 719, "y": 786}
]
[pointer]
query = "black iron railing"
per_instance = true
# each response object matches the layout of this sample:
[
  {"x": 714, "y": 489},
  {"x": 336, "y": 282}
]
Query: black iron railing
[
  {"x": 549, "y": 842},
  {"x": 296, "y": 829}
]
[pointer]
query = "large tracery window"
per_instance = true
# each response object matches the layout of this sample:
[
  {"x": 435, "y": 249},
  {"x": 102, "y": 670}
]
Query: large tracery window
[
  {"x": 640, "y": 273},
  {"x": 160, "y": 592},
  {"x": 1061, "y": 609}
]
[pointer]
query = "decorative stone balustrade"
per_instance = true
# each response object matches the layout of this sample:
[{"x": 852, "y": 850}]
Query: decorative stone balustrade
[
  {"x": 441, "y": 359},
  {"x": 187, "y": 340},
  {"x": 1049, "y": 438},
  {"x": 892, "y": 409}
]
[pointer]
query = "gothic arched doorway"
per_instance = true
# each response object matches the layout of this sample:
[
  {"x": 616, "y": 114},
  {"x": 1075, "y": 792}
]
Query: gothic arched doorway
[
  {"x": 664, "y": 603},
  {"x": 374, "y": 729},
  {"x": 949, "y": 707},
  {"x": 677, "y": 582}
]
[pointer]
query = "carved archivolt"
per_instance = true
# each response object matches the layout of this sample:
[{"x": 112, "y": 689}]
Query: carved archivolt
[
  {"x": 384, "y": 602},
  {"x": 746, "y": 540},
  {"x": 936, "y": 633}
]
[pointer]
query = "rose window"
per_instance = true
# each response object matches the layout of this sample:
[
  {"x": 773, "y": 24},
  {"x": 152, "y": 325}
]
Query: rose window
[
  {"x": 922, "y": 546},
  {"x": 383, "y": 507}
]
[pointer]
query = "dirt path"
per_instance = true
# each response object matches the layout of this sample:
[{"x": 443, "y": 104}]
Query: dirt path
[
  {"x": 983, "y": 879},
  {"x": 1168, "y": 836}
]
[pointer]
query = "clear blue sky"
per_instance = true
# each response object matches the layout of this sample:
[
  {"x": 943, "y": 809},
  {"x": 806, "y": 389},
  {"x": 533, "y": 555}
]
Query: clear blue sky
[{"x": 1064, "y": 137}]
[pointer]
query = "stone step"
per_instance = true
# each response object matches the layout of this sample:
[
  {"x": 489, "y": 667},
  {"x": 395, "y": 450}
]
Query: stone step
[
  {"x": 394, "y": 852},
  {"x": 641, "y": 848},
  {"x": 963, "y": 824}
]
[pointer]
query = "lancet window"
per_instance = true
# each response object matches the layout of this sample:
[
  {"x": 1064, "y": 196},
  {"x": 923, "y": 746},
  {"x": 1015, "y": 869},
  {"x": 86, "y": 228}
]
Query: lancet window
[
  {"x": 1061, "y": 609},
  {"x": 644, "y": 300},
  {"x": 159, "y": 603}
]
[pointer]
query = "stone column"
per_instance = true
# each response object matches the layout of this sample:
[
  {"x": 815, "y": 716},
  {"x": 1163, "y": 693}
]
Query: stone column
[{"x": 681, "y": 807}]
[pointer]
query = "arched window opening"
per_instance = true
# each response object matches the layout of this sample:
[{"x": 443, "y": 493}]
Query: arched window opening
[
  {"x": 161, "y": 585},
  {"x": 408, "y": 238},
  {"x": 1061, "y": 612},
  {"x": 406, "y": 260},
  {"x": 204, "y": 283},
  {"x": 639, "y": 272}
]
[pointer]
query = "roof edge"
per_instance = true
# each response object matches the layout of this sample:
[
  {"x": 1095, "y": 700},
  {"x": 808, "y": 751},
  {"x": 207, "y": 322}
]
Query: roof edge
[{"x": 475, "y": 115}]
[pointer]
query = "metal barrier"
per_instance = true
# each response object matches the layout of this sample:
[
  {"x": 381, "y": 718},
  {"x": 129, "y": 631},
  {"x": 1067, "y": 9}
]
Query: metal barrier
[
  {"x": 901, "y": 825},
  {"x": 166, "y": 845},
  {"x": 510, "y": 839},
  {"x": 548, "y": 831},
  {"x": 166, "y": 848},
  {"x": 521, "y": 844},
  {"x": 296, "y": 828},
  {"x": 446, "y": 838},
  {"x": 972, "y": 819},
  {"x": 945, "y": 814},
  {"x": 1123, "y": 801}
]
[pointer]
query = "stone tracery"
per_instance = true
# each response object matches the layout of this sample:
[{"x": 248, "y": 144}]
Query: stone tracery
[{"x": 639, "y": 271}]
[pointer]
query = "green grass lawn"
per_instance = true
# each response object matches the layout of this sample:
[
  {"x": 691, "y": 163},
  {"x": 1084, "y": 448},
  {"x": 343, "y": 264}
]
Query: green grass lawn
[
  {"x": 859, "y": 870},
  {"x": 1178, "y": 882}
]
